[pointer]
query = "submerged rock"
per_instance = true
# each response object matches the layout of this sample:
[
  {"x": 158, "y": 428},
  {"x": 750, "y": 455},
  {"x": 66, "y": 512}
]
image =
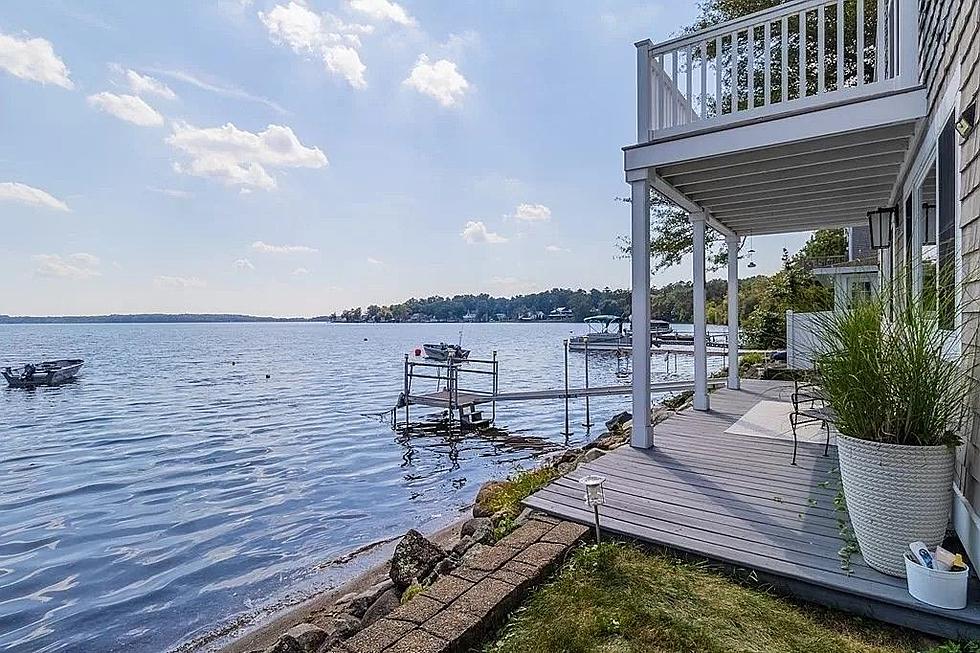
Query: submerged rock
[
  {"x": 414, "y": 558},
  {"x": 382, "y": 607}
]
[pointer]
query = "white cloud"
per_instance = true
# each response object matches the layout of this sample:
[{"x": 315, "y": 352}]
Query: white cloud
[
  {"x": 34, "y": 60},
  {"x": 301, "y": 272},
  {"x": 146, "y": 85},
  {"x": 476, "y": 232},
  {"x": 322, "y": 35},
  {"x": 556, "y": 248},
  {"x": 238, "y": 157},
  {"x": 374, "y": 261},
  {"x": 383, "y": 10},
  {"x": 344, "y": 60},
  {"x": 223, "y": 89},
  {"x": 266, "y": 248},
  {"x": 171, "y": 192},
  {"x": 126, "y": 107},
  {"x": 533, "y": 213},
  {"x": 75, "y": 266},
  {"x": 13, "y": 191},
  {"x": 178, "y": 282},
  {"x": 244, "y": 264},
  {"x": 439, "y": 80}
]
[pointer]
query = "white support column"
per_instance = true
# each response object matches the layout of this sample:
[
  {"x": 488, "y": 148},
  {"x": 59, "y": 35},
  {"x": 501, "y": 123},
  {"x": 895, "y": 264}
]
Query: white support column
[
  {"x": 642, "y": 433},
  {"x": 732, "y": 243},
  {"x": 699, "y": 222}
]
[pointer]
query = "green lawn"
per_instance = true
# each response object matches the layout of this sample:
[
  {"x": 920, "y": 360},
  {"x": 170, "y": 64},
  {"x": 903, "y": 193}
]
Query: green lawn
[{"x": 617, "y": 598}]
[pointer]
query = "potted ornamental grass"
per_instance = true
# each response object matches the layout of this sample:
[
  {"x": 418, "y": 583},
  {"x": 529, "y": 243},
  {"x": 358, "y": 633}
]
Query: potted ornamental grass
[{"x": 900, "y": 393}]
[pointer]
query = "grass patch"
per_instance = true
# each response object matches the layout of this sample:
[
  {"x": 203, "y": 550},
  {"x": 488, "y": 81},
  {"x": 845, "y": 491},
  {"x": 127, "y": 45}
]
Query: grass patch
[
  {"x": 507, "y": 495},
  {"x": 618, "y": 598}
]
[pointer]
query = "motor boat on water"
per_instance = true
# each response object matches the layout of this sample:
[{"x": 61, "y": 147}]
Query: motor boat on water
[
  {"x": 443, "y": 351},
  {"x": 612, "y": 333},
  {"x": 48, "y": 373}
]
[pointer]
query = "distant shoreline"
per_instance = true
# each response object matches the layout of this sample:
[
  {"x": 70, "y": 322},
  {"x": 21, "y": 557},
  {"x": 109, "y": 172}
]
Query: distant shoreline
[{"x": 231, "y": 318}]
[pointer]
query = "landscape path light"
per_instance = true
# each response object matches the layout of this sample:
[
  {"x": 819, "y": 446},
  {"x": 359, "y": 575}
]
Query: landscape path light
[{"x": 594, "y": 496}]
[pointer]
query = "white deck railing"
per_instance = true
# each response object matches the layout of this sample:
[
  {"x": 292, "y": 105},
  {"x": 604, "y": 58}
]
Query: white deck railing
[{"x": 765, "y": 63}]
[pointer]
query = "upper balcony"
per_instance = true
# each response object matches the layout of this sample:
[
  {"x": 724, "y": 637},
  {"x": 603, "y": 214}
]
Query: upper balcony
[{"x": 797, "y": 57}]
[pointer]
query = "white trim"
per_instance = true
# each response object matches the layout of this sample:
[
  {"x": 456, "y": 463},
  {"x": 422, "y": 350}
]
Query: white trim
[
  {"x": 733, "y": 345},
  {"x": 906, "y": 106},
  {"x": 966, "y": 522}
]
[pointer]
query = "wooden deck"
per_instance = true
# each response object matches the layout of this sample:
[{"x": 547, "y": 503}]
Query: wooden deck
[{"x": 736, "y": 500}]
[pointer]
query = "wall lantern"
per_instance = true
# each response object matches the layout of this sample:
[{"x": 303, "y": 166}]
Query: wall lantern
[
  {"x": 967, "y": 121},
  {"x": 594, "y": 496},
  {"x": 929, "y": 223},
  {"x": 880, "y": 222}
]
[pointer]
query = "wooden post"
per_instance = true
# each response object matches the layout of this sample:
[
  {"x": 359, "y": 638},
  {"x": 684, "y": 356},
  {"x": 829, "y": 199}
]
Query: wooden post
[
  {"x": 700, "y": 319},
  {"x": 732, "y": 243},
  {"x": 642, "y": 436},
  {"x": 407, "y": 389},
  {"x": 493, "y": 404}
]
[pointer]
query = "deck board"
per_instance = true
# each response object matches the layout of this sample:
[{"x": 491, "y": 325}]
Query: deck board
[{"x": 737, "y": 500}]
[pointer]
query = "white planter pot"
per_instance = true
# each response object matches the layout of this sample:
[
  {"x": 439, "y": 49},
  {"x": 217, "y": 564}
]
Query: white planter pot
[{"x": 896, "y": 495}]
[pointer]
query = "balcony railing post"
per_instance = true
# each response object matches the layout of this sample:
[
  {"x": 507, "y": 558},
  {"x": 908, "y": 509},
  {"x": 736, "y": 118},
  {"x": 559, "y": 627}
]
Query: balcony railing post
[
  {"x": 644, "y": 92},
  {"x": 907, "y": 40}
]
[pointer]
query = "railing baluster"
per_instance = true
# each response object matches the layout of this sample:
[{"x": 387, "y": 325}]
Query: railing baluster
[
  {"x": 840, "y": 44},
  {"x": 661, "y": 94},
  {"x": 750, "y": 67},
  {"x": 784, "y": 61},
  {"x": 734, "y": 67},
  {"x": 767, "y": 73},
  {"x": 704, "y": 79},
  {"x": 860, "y": 42},
  {"x": 690, "y": 90},
  {"x": 802, "y": 45},
  {"x": 821, "y": 50},
  {"x": 719, "y": 69},
  {"x": 677, "y": 89},
  {"x": 880, "y": 43}
]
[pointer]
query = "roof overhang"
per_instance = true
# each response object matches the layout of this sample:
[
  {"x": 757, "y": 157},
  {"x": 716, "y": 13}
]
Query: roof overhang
[{"x": 813, "y": 169}]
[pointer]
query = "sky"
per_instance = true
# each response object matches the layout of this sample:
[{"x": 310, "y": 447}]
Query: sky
[{"x": 278, "y": 157}]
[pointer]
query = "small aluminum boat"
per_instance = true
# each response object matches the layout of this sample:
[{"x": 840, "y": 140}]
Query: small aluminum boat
[
  {"x": 442, "y": 352},
  {"x": 46, "y": 373}
]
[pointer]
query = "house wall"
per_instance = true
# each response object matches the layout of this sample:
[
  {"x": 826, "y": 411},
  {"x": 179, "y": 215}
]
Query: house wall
[{"x": 950, "y": 52}]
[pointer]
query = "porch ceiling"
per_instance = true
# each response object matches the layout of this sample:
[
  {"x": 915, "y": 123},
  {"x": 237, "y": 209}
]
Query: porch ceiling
[{"x": 818, "y": 183}]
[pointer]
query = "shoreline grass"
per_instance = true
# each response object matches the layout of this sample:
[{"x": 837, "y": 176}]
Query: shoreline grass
[{"x": 620, "y": 598}]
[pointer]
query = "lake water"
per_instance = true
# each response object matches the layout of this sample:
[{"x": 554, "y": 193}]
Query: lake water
[{"x": 168, "y": 491}]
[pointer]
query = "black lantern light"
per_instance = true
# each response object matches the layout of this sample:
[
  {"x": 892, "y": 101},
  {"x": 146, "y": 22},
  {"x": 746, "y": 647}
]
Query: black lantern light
[
  {"x": 880, "y": 223},
  {"x": 929, "y": 223},
  {"x": 967, "y": 121}
]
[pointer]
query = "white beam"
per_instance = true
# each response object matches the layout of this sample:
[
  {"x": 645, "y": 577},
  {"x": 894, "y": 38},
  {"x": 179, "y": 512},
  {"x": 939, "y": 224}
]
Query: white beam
[
  {"x": 699, "y": 222},
  {"x": 642, "y": 436},
  {"x": 733, "y": 344},
  {"x": 674, "y": 195}
]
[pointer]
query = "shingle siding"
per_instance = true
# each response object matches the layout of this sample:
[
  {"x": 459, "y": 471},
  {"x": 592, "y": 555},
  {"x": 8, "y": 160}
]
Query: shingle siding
[{"x": 954, "y": 44}]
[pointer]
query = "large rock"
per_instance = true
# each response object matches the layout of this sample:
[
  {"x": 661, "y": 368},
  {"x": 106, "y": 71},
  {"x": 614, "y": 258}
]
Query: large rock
[
  {"x": 345, "y": 625},
  {"x": 617, "y": 422},
  {"x": 358, "y": 602},
  {"x": 479, "y": 529},
  {"x": 384, "y": 606},
  {"x": 483, "y": 497},
  {"x": 302, "y": 638},
  {"x": 414, "y": 558}
]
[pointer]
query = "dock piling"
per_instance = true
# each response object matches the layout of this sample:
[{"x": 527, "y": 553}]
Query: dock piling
[
  {"x": 588, "y": 414},
  {"x": 568, "y": 429}
]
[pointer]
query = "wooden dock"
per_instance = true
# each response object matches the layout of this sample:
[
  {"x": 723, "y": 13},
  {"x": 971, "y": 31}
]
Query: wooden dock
[
  {"x": 737, "y": 500},
  {"x": 465, "y": 398}
]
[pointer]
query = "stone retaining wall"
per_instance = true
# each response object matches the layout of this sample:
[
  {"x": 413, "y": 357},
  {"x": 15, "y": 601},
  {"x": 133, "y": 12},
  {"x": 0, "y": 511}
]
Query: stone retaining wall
[{"x": 461, "y": 608}]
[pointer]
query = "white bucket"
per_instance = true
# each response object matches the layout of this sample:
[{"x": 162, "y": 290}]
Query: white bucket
[{"x": 943, "y": 589}]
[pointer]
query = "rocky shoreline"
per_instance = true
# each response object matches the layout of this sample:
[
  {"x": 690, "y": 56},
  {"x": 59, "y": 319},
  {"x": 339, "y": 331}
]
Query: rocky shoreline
[{"x": 417, "y": 562}]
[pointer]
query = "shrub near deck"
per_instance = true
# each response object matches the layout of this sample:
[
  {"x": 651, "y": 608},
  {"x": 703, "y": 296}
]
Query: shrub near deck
[{"x": 617, "y": 599}]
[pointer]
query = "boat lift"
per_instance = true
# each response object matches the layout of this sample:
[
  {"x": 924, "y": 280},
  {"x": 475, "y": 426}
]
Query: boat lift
[{"x": 463, "y": 405}]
